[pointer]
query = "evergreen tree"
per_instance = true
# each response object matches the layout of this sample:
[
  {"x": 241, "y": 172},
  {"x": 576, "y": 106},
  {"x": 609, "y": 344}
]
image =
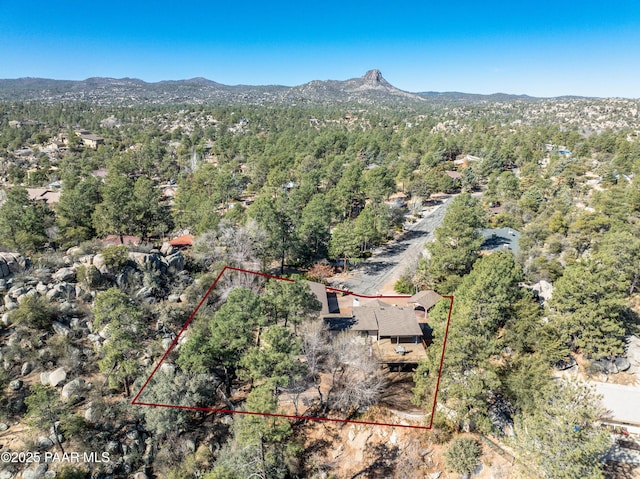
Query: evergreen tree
[
  {"x": 274, "y": 216},
  {"x": 483, "y": 304},
  {"x": 217, "y": 345},
  {"x": 116, "y": 214},
  {"x": 561, "y": 437},
  {"x": 588, "y": 309},
  {"x": 457, "y": 243},
  {"x": 314, "y": 228},
  {"x": 75, "y": 210},
  {"x": 122, "y": 320},
  {"x": 463, "y": 455},
  {"x": 149, "y": 215},
  {"x": 276, "y": 358},
  {"x": 344, "y": 243},
  {"x": 46, "y": 412},
  {"x": 23, "y": 223}
]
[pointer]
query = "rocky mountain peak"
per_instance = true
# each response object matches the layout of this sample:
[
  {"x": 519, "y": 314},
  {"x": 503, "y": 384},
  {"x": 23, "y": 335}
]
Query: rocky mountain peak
[
  {"x": 371, "y": 88},
  {"x": 374, "y": 77}
]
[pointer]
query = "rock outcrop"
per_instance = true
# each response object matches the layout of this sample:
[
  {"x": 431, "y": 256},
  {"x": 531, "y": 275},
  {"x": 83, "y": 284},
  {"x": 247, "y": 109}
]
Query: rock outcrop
[{"x": 11, "y": 263}]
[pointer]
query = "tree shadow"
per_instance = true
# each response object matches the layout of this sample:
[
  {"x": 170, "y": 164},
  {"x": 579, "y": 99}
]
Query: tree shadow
[
  {"x": 394, "y": 249},
  {"x": 630, "y": 321},
  {"x": 617, "y": 470},
  {"x": 383, "y": 466},
  {"x": 319, "y": 446},
  {"x": 375, "y": 267},
  {"x": 399, "y": 392}
]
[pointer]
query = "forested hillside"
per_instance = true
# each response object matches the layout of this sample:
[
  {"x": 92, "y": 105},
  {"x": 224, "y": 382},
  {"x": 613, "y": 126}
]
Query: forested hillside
[{"x": 94, "y": 293}]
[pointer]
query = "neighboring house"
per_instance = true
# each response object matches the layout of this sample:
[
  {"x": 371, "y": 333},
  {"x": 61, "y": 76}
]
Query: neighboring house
[
  {"x": 454, "y": 175},
  {"x": 559, "y": 149},
  {"x": 397, "y": 199},
  {"x": 289, "y": 186},
  {"x": 169, "y": 191},
  {"x": 496, "y": 210},
  {"x": 45, "y": 195},
  {"x": 620, "y": 403},
  {"x": 463, "y": 162},
  {"x": 89, "y": 139},
  {"x": 500, "y": 239},
  {"x": 99, "y": 173},
  {"x": 543, "y": 290},
  {"x": 182, "y": 242},
  {"x": 115, "y": 240},
  {"x": 23, "y": 152}
]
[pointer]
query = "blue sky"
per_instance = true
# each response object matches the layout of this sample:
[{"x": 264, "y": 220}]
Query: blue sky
[{"x": 540, "y": 48}]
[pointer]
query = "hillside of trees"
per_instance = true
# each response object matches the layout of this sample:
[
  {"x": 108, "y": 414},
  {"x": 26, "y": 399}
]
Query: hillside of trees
[{"x": 309, "y": 192}]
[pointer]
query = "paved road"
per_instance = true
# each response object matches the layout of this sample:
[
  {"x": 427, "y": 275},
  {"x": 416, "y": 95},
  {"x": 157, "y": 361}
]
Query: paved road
[
  {"x": 621, "y": 402},
  {"x": 389, "y": 262}
]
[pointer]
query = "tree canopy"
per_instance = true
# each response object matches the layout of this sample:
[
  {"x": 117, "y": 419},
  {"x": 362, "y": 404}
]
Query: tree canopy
[{"x": 457, "y": 243}]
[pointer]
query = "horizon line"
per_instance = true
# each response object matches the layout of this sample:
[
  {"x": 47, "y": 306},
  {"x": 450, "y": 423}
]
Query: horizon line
[{"x": 259, "y": 85}]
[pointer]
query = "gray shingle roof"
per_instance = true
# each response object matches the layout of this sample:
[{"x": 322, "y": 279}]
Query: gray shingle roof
[
  {"x": 426, "y": 299},
  {"x": 387, "y": 320},
  {"x": 319, "y": 290}
]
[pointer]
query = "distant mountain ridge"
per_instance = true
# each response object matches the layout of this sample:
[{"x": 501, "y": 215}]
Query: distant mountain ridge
[{"x": 371, "y": 88}]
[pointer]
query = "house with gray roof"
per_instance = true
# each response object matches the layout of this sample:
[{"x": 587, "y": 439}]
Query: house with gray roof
[
  {"x": 501, "y": 239},
  {"x": 383, "y": 321}
]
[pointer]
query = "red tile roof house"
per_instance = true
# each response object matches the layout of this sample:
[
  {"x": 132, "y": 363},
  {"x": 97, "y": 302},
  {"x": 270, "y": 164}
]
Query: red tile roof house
[
  {"x": 184, "y": 241},
  {"x": 114, "y": 240}
]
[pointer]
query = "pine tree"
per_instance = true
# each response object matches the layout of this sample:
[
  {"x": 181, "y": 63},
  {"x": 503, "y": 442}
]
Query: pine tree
[{"x": 457, "y": 243}]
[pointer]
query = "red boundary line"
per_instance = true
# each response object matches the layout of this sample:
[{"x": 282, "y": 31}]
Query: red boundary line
[
  {"x": 444, "y": 346},
  {"x": 308, "y": 418}
]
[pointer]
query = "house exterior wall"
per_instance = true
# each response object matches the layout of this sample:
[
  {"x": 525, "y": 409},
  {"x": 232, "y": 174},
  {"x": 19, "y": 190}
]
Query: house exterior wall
[
  {"x": 91, "y": 143},
  {"x": 402, "y": 339}
]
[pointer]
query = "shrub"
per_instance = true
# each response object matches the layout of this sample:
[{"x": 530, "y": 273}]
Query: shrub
[
  {"x": 49, "y": 260},
  {"x": 71, "y": 472},
  {"x": 320, "y": 272},
  {"x": 115, "y": 257},
  {"x": 403, "y": 286},
  {"x": 463, "y": 455},
  {"x": 34, "y": 312},
  {"x": 442, "y": 431},
  {"x": 89, "y": 276},
  {"x": 88, "y": 247}
]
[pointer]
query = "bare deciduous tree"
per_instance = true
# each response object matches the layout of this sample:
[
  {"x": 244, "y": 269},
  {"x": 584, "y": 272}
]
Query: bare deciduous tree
[
  {"x": 314, "y": 344},
  {"x": 415, "y": 206},
  {"x": 241, "y": 246},
  {"x": 357, "y": 380},
  {"x": 232, "y": 280}
]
